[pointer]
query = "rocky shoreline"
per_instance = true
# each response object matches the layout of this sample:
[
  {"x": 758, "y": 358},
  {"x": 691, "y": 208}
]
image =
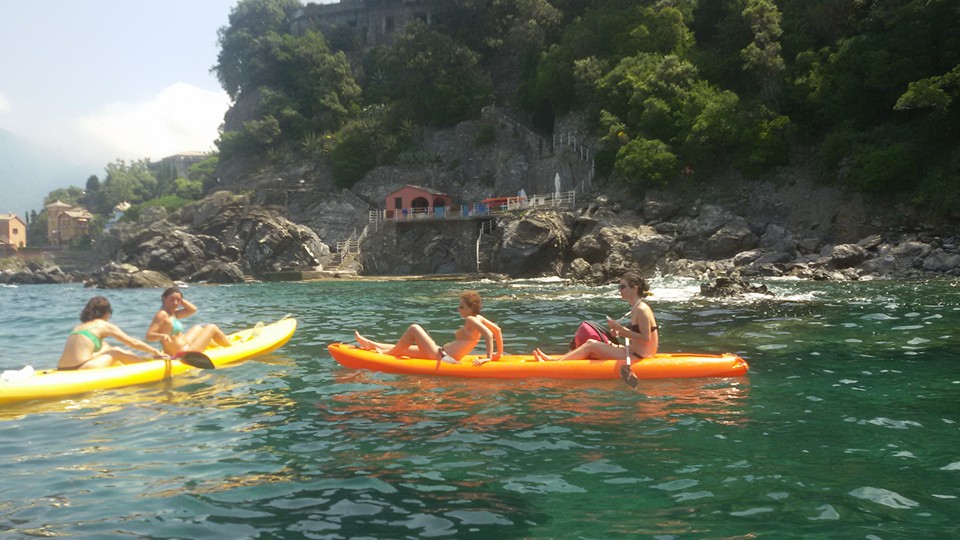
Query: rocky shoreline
[
  {"x": 714, "y": 242},
  {"x": 226, "y": 238},
  {"x": 223, "y": 238}
]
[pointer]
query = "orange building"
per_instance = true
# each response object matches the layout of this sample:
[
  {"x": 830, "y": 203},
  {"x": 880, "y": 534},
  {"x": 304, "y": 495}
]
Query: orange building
[
  {"x": 13, "y": 233},
  {"x": 66, "y": 223},
  {"x": 410, "y": 200}
]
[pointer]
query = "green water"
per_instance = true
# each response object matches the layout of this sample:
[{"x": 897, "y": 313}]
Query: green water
[{"x": 846, "y": 426}]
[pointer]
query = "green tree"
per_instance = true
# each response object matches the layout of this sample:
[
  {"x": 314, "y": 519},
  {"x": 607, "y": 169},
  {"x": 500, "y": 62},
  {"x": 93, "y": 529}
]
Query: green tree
[
  {"x": 647, "y": 163},
  {"x": 293, "y": 84},
  {"x": 498, "y": 27},
  {"x": 206, "y": 172},
  {"x": 248, "y": 41},
  {"x": 69, "y": 195},
  {"x": 133, "y": 183},
  {"x": 762, "y": 57},
  {"x": 435, "y": 80},
  {"x": 93, "y": 184},
  {"x": 188, "y": 189}
]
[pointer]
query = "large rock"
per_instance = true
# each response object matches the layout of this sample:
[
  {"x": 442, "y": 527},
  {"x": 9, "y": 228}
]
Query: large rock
[
  {"x": 127, "y": 276},
  {"x": 219, "y": 238},
  {"x": 726, "y": 286},
  {"x": 533, "y": 244},
  {"x": 847, "y": 255},
  {"x": 942, "y": 262},
  {"x": 732, "y": 238}
]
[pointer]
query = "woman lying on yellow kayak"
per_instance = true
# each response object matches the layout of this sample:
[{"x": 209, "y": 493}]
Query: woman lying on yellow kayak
[{"x": 85, "y": 347}]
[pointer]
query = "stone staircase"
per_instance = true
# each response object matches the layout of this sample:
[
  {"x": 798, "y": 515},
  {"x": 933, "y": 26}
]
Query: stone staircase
[{"x": 347, "y": 251}]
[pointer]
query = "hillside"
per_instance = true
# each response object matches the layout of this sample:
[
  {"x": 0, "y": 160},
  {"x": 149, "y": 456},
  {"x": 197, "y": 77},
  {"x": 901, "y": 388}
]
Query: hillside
[{"x": 679, "y": 97}]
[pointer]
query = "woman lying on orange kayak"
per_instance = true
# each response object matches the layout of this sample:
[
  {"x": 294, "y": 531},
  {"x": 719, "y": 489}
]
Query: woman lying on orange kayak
[{"x": 417, "y": 343}]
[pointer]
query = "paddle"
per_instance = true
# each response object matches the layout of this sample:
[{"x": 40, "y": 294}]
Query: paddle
[
  {"x": 625, "y": 372},
  {"x": 196, "y": 359}
]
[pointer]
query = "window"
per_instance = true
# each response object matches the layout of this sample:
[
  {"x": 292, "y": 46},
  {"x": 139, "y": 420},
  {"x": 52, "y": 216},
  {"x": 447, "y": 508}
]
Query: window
[{"x": 398, "y": 202}]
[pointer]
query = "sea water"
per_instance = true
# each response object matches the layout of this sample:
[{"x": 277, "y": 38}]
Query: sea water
[{"x": 845, "y": 427}]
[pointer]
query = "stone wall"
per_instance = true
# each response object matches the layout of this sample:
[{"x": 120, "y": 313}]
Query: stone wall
[{"x": 422, "y": 247}]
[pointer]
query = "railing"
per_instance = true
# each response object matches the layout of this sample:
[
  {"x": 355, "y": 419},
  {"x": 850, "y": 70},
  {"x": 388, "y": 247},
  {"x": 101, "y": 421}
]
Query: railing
[
  {"x": 485, "y": 228},
  {"x": 569, "y": 140},
  {"x": 352, "y": 244},
  {"x": 479, "y": 210}
]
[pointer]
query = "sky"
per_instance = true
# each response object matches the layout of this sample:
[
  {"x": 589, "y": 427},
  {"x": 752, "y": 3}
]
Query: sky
[
  {"x": 106, "y": 79},
  {"x": 101, "y": 80}
]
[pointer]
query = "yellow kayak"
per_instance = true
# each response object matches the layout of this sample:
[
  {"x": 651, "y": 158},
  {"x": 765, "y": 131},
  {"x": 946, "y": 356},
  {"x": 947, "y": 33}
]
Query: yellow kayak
[{"x": 55, "y": 384}]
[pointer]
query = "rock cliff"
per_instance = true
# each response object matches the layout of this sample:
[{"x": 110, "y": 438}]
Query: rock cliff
[{"x": 219, "y": 239}]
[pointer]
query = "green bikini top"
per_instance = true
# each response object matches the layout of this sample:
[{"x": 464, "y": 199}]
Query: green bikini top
[{"x": 97, "y": 342}]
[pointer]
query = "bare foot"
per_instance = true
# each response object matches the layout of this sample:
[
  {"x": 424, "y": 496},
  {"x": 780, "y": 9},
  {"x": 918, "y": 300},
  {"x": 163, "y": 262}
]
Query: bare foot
[
  {"x": 540, "y": 356},
  {"x": 363, "y": 342}
]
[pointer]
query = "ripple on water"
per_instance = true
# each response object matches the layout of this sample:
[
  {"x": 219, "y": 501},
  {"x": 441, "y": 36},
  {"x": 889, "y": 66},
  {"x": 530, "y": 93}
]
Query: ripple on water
[{"x": 885, "y": 497}]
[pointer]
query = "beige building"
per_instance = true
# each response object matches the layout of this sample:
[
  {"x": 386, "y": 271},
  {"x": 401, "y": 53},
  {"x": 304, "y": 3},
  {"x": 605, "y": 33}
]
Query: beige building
[
  {"x": 13, "y": 234},
  {"x": 66, "y": 223}
]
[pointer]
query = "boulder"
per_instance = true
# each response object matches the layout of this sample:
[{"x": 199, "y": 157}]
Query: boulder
[
  {"x": 942, "y": 262},
  {"x": 726, "y": 286},
  {"x": 533, "y": 244},
  {"x": 847, "y": 255},
  {"x": 733, "y": 237},
  {"x": 777, "y": 238},
  {"x": 127, "y": 276}
]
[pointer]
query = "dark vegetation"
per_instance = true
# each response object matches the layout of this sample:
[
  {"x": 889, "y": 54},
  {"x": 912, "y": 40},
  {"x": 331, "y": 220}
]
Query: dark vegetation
[{"x": 677, "y": 91}]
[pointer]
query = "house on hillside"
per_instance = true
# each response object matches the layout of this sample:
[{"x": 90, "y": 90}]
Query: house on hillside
[
  {"x": 66, "y": 223},
  {"x": 118, "y": 212},
  {"x": 13, "y": 234},
  {"x": 414, "y": 201}
]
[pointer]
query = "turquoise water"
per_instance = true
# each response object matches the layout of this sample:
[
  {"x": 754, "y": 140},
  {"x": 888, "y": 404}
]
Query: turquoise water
[{"x": 846, "y": 426}]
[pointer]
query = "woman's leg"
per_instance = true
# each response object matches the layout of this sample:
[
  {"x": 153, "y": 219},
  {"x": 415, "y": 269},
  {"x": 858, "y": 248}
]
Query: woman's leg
[
  {"x": 417, "y": 343},
  {"x": 590, "y": 349},
  {"x": 112, "y": 356},
  {"x": 414, "y": 342},
  {"x": 199, "y": 340},
  {"x": 371, "y": 345}
]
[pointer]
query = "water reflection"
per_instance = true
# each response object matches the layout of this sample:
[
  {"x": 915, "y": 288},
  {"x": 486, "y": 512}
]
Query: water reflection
[{"x": 498, "y": 405}]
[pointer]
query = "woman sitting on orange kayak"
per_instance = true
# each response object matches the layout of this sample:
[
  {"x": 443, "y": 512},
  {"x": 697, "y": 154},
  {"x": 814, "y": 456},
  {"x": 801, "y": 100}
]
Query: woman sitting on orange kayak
[
  {"x": 85, "y": 347},
  {"x": 417, "y": 343},
  {"x": 168, "y": 330},
  {"x": 642, "y": 332}
]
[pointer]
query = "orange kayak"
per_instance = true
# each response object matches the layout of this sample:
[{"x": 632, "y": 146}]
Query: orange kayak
[{"x": 661, "y": 366}]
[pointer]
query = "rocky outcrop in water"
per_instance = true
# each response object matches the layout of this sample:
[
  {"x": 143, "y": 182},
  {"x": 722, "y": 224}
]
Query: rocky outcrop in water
[
  {"x": 37, "y": 273},
  {"x": 127, "y": 276},
  {"x": 599, "y": 244},
  {"x": 219, "y": 239},
  {"x": 726, "y": 286}
]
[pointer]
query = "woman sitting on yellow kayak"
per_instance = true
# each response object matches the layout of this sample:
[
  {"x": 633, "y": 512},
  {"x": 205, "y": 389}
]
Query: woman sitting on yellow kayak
[
  {"x": 417, "y": 343},
  {"x": 85, "y": 346},
  {"x": 168, "y": 330}
]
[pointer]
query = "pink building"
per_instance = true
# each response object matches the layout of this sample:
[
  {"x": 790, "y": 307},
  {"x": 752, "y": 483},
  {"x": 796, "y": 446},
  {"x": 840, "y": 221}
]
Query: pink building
[{"x": 410, "y": 201}]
